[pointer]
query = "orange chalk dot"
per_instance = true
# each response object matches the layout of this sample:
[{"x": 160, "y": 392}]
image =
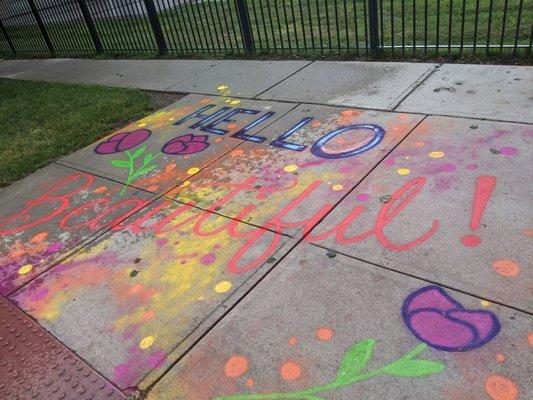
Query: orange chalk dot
[
  {"x": 153, "y": 188},
  {"x": 349, "y": 113},
  {"x": 218, "y": 140},
  {"x": 324, "y": 333},
  {"x": 249, "y": 382},
  {"x": 290, "y": 371},
  {"x": 316, "y": 124},
  {"x": 233, "y": 126},
  {"x": 101, "y": 189},
  {"x": 530, "y": 339},
  {"x": 39, "y": 237},
  {"x": 500, "y": 388},
  {"x": 506, "y": 267},
  {"x": 205, "y": 101},
  {"x": 419, "y": 144},
  {"x": 148, "y": 315},
  {"x": 237, "y": 153},
  {"x": 293, "y": 341},
  {"x": 136, "y": 288},
  {"x": 170, "y": 167},
  {"x": 236, "y": 366},
  {"x": 500, "y": 357}
]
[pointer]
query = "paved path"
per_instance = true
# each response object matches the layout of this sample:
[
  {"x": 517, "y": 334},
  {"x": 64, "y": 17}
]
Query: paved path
[{"x": 290, "y": 230}]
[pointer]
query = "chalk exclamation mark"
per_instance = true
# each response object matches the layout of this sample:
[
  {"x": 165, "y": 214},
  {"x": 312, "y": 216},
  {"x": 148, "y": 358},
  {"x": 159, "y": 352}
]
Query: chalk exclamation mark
[{"x": 484, "y": 186}]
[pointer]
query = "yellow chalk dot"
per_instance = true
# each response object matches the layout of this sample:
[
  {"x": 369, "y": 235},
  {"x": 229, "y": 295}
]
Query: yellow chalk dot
[
  {"x": 25, "y": 269},
  {"x": 403, "y": 171},
  {"x": 222, "y": 87},
  {"x": 235, "y": 102},
  {"x": 228, "y": 100},
  {"x": 436, "y": 154},
  {"x": 141, "y": 125},
  {"x": 337, "y": 187},
  {"x": 186, "y": 183},
  {"x": 146, "y": 342},
  {"x": 290, "y": 168},
  {"x": 485, "y": 303},
  {"x": 223, "y": 287},
  {"x": 193, "y": 170}
]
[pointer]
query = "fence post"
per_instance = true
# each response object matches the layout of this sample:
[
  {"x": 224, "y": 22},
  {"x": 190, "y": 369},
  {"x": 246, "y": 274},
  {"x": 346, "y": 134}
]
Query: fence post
[
  {"x": 41, "y": 27},
  {"x": 90, "y": 26},
  {"x": 373, "y": 26},
  {"x": 244, "y": 21},
  {"x": 6, "y": 35},
  {"x": 156, "y": 26}
]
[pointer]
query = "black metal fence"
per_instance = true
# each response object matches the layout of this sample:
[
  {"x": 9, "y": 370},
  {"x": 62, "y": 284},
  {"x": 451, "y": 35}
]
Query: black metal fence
[{"x": 305, "y": 27}]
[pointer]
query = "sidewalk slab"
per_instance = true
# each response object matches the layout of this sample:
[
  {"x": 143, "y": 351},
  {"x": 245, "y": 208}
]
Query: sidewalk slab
[
  {"x": 449, "y": 205},
  {"x": 500, "y": 92},
  {"x": 126, "y": 301},
  {"x": 35, "y": 365},
  {"x": 244, "y": 78},
  {"x": 72, "y": 71},
  {"x": 51, "y": 213},
  {"x": 293, "y": 331},
  {"x": 155, "y": 154},
  {"x": 13, "y": 68},
  {"x": 290, "y": 190},
  {"x": 156, "y": 74},
  {"x": 354, "y": 84}
]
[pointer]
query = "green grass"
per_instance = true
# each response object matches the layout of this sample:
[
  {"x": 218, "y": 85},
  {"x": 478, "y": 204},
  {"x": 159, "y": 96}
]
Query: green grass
[
  {"x": 299, "y": 27},
  {"x": 40, "y": 122}
]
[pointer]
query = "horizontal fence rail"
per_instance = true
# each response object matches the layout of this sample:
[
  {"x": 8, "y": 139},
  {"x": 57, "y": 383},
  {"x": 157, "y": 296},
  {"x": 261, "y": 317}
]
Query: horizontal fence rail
[{"x": 293, "y": 27}]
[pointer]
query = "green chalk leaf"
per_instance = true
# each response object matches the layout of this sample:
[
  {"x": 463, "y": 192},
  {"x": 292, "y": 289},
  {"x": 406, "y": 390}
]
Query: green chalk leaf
[
  {"x": 355, "y": 360},
  {"x": 149, "y": 157},
  {"x": 120, "y": 163},
  {"x": 138, "y": 152},
  {"x": 145, "y": 170},
  {"x": 414, "y": 368}
]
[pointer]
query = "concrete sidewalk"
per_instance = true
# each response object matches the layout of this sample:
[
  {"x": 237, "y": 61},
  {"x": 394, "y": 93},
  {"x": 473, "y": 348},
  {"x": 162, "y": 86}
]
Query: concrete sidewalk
[
  {"x": 289, "y": 229},
  {"x": 474, "y": 91}
]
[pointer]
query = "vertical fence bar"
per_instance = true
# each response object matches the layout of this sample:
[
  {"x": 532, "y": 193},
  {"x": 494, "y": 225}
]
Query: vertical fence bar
[
  {"x": 41, "y": 27},
  {"x": 244, "y": 22},
  {"x": 373, "y": 26},
  {"x": 517, "y": 32},
  {"x": 8, "y": 39},
  {"x": 90, "y": 26},
  {"x": 156, "y": 26}
]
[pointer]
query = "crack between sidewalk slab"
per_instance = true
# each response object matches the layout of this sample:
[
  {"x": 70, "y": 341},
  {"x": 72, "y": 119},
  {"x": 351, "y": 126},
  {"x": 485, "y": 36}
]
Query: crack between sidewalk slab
[
  {"x": 193, "y": 76},
  {"x": 407, "y": 92},
  {"x": 297, "y": 241},
  {"x": 284, "y": 79},
  {"x": 412, "y": 275}
]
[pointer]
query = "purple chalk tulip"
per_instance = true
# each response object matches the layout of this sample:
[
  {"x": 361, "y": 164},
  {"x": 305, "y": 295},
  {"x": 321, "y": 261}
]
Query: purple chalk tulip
[
  {"x": 123, "y": 141},
  {"x": 186, "y": 144},
  {"x": 441, "y": 322}
]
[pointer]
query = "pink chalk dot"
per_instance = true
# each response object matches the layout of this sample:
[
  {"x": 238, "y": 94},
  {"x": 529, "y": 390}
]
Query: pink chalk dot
[
  {"x": 508, "y": 151},
  {"x": 470, "y": 240},
  {"x": 389, "y": 161},
  {"x": 161, "y": 242},
  {"x": 471, "y": 167},
  {"x": 363, "y": 197},
  {"x": 208, "y": 259},
  {"x": 447, "y": 167}
]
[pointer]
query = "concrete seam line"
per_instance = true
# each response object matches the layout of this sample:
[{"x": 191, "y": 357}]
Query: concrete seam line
[
  {"x": 195, "y": 75},
  {"x": 284, "y": 79},
  {"x": 419, "y": 82}
]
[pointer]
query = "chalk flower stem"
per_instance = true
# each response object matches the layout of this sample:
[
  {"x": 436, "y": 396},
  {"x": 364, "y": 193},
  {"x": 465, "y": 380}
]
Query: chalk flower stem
[
  {"x": 133, "y": 172},
  {"x": 350, "y": 373}
]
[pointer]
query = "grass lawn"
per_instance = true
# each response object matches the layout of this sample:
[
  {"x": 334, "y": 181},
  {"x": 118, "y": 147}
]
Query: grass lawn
[
  {"x": 40, "y": 122},
  {"x": 302, "y": 27}
]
